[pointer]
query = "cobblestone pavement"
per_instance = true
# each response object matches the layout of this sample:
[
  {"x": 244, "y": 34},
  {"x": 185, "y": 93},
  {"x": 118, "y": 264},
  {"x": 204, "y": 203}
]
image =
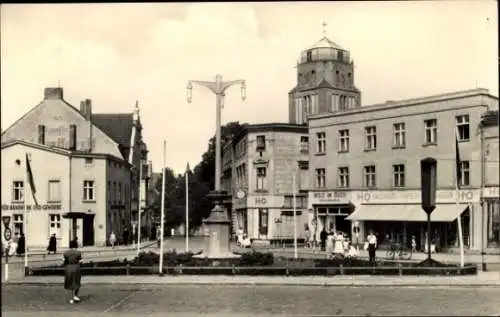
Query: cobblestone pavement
[{"x": 183, "y": 300}]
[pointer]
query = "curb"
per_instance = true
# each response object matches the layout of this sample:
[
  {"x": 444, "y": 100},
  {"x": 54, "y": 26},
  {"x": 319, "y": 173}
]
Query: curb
[{"x": 366, "y": 281}]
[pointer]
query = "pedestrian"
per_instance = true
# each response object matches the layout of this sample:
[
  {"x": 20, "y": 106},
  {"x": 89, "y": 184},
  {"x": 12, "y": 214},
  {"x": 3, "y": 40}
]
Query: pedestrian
[
  {"x": 372, "y": 246},
  {"x": 112, "y": 239},
  {"x": 413, "y": 244},
  {"x": 307, "y": 236},
  {"x": 330, "y": 240},
  {"x": 21, "y": 245},
  {"x": 323, "y": 236},
  {"x": 72, "y": 274},
  {"x": 125, "y": 236},
  {"x": 52, "y": 244},
  {"x": 338, "y": 249}
]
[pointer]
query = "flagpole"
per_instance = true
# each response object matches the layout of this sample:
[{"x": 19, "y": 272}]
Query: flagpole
[
  {"x": 139, "y": 210},
  {"x": 458, "y": 165},
  {"x": 25, "y": 216},
  {"x": 187, "y": 208},
  {"x": 460, "y": 234},
  {"x": 162, "y": 217},
  {"x": 295, "y": 255}
]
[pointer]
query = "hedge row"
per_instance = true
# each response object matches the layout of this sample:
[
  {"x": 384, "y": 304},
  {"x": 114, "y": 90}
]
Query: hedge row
[{"x": 263, "y": 271}]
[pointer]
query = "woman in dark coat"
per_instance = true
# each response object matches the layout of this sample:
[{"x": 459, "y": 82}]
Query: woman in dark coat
[
  {"x": 72, "y": 274},
  {"x": 52, "y": 244},
  {"x": 21, "y": 245}
]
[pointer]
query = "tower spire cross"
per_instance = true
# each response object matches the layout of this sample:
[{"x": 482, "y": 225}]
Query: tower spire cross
[{"x": 324, "y": 28}]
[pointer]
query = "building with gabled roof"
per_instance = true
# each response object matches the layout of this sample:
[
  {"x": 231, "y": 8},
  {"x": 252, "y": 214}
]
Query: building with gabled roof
[{"x": 54, "y": 125}]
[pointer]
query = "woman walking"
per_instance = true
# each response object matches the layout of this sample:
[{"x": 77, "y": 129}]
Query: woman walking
[{"x": 72, "y": 274}]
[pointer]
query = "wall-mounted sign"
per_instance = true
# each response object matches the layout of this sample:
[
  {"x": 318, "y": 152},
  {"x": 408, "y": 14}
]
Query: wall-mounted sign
[
  {"x": 31, "y": 207},
  {"x": 6, "y": 221},
  {"x": 414, "y": 196},
  {"x": 329, "y": 197}
]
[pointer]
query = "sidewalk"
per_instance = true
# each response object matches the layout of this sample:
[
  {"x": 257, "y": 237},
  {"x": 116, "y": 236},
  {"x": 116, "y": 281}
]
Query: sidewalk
[
  {"x": 483, "y": 279},
  {"x": 381, "y": 254},
  {"x": 92, "y": 250}
]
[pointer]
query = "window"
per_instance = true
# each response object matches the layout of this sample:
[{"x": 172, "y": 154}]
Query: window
[
  {"x": 430, "y": 131},
  {"x": 320, "y": 177},
  {"x": 119, "y": 193},
  {"x": 343, "y": 102},
  {"x": 72, "y": 137},
  {"x": 398, "y": 175},
  {"x": 335, "y": 102},
  {"x": 18, "y": 223},
  {"x": 261, "y": 178},
  {"x": 115, "y": 196},
  {"x": 399, "y": 135},
  {"x": 41, "y": 134},
  {"x": 343, "y": 173},
  {"x": 109, "y": 191},
  {"x": 304, "y": 144},
  {"x": 17, "y": 191},
  {"x": 300, "y": 202},
  {"x": 370, "y": 138},
  {"x": 344, "y": 141},
  {"x": 54, "y": 224},
  {"x": 261, "y": 142},
  {"x": 88, "y": 190},
  {"x": 464, "y": 173},
  {"x": 309, "y": 56},
  {"x": 54, "y": 191},
  {"x": 370, "y": 176},
  {"x": 263, "y": 221},
  {"x": 321, "y": 142},
  {"x": 463, "y": 127},
  {"x": 88, "y": 161}
]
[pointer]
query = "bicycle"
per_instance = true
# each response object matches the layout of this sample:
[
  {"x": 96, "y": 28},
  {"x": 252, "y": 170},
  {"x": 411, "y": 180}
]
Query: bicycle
[{"x": 403, "y": 252}]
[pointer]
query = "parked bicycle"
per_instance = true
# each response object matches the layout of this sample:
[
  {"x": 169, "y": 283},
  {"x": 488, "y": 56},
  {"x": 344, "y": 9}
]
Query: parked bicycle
[{"x": 400, "y": 250}]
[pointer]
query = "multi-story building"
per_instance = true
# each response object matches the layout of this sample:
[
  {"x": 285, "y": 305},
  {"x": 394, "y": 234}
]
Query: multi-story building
[
  {"x": 257, "y": 170},
  {"x": 490, "y": 194},
  {"x": 85, "y": 168},
  {"x": 367, "y": 160}
]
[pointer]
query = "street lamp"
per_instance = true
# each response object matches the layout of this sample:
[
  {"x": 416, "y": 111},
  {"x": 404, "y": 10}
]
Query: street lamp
[{"x": 218, "y": 222}]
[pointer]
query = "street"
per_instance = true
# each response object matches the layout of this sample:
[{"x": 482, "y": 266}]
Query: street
[{"x": 224, "y": 300}]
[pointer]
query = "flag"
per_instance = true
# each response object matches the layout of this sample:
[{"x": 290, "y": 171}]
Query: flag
[
  {"x": 30, "y": 179},
  {"x": 458, "y": 173}
]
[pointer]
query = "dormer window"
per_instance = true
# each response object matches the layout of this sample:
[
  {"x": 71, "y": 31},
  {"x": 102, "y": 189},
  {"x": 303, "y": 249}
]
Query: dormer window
[{"x": 309, "y": 56}]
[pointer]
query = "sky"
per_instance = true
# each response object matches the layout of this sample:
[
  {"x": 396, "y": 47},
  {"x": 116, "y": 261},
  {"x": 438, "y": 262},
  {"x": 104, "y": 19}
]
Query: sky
[{"x": 115, "y": 54}]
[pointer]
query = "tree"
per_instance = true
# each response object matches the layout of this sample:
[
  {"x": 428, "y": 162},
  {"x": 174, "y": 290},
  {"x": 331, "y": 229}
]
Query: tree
[{"x": 201, "y": 182}]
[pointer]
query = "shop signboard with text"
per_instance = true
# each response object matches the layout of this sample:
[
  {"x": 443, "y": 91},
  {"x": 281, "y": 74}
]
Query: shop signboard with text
[
  {"x": 18, "y": 207},
  {"x": 265, "y": 201},
  {"x": 329, "y": 197},
  {"x": 413, "y": 196},
  {"x": 491, "y": 192}
]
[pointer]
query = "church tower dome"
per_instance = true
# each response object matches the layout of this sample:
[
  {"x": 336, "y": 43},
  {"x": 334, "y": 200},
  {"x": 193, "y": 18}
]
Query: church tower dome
[{"x": 325, "y": 81}]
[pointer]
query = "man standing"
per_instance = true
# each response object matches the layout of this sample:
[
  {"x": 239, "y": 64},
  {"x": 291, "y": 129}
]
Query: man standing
[
  {"x": 372, "y": 246},
  {"x": 322, "y": 236}
]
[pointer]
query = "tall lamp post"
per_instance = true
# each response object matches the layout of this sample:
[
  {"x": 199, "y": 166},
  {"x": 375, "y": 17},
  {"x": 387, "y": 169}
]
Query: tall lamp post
[{"x": 217, "y": 246}]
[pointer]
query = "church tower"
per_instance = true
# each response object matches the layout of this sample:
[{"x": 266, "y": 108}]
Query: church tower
[{"x": 325, "y": 82}]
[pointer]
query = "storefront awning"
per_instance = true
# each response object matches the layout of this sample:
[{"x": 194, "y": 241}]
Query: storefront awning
[{"x": 413, "y": 212}]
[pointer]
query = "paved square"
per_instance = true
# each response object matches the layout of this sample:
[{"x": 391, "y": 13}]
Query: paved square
[{"x": 224, "y": 300}]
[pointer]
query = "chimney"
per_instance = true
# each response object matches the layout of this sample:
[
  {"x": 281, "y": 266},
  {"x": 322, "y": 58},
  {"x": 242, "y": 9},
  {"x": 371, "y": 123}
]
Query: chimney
[
  {"x": 53, "y": 93},
  {"x": 86, "y": 108}
]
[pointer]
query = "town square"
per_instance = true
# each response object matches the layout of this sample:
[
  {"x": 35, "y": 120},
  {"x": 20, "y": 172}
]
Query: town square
[{"x": 250, "y": 159}]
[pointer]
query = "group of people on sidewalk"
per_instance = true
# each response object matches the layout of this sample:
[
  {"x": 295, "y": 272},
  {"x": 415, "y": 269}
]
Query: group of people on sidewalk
[
  {"x": 17, "y": 246},
  {"x": 337, "y": 245}
]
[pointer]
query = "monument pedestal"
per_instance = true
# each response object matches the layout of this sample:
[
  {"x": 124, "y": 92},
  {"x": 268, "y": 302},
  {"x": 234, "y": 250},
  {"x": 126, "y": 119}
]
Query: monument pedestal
[{"x": 217, "y": 241}]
